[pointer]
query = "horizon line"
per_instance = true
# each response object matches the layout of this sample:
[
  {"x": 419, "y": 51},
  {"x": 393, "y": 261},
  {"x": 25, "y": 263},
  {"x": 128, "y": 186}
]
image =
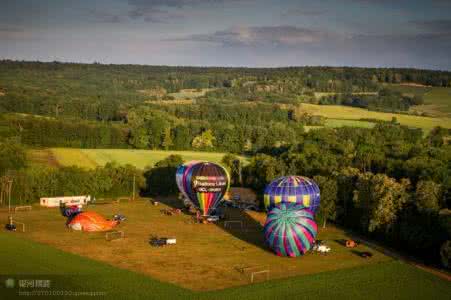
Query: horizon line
[{"x": 223, "y": 66}]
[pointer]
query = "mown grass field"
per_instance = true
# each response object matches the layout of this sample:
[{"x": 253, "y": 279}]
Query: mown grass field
[
  {"x": 209, "y": 255},
  {"x": 90, "y": 158},
  {"x": 353, "y": 113},
  {"x": 200, "y": 266}
]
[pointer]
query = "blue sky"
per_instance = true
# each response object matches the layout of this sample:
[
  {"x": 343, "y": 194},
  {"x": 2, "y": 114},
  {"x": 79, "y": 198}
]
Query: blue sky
[{"x": 262, "y": 33}]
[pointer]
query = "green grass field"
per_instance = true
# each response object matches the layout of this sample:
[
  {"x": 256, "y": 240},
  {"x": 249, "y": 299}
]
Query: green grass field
[
  {"x": 189, "y": 93},
  {"x": 338, "y": 112},
  {"x": 210, "y": 255},
  {"x": 334, "y": 123},
  {"x": 437, "y": 100},
  {"x": 68, "y": 272},
  {"x": 90, "y": 158}
]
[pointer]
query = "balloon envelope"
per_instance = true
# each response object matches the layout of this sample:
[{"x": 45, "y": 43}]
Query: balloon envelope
[
  {"x": 290, "y": 229},
  {"x": 91, "y": 221},
  {"x": 204, "y": 183},
  {"x": 179, "y": 176},
  {"x": 292, "y": 189}
]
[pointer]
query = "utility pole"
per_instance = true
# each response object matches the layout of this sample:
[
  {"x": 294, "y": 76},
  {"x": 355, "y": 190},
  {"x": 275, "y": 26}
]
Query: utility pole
[
  {"x": 134, "y": 180},
  {"x": 10, "y": 184}
]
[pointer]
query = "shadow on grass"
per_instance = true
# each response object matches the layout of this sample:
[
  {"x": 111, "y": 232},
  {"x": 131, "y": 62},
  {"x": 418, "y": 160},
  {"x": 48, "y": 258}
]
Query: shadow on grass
[
  {"x": 244, "y": 227},
  {"x": 172, "y": 202},
  {"x": 236, "y": 222},
  {"x": 362, "y": 254}
]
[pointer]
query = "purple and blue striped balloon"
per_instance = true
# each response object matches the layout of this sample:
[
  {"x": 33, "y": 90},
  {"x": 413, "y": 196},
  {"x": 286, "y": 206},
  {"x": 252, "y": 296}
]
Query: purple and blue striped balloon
[
  {"x": 292, "y": 189},
  {"x": 290, "y": 229}
]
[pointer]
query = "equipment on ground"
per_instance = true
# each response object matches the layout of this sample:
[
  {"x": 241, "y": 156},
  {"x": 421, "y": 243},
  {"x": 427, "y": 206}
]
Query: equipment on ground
[
  {"x": 159, "y": 242},
  {"x": 351, "y": 244},
  {"x": 119, "y": 217},
  {"x": 292, "y": 189},
  {"x": 290, "y": 230},
  {"x": 10, "y": 225},
  {"x": 321, "y": 248},
  {"x": 70, "y": 211}
]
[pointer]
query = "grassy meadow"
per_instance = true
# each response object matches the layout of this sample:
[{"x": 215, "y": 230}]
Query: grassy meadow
[
  {"x": 203, "y": 265},
  {"x": 91, "y": 158},
  {"x": 189, "y": 93},
  {"x": 339, "y": 112},
  {"x": 437, "y": 100}
]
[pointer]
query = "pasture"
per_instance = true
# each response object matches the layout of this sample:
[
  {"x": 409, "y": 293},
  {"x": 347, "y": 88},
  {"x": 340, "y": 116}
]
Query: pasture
[
  {"x": 354, "y": 113},
  {"x": 204, "y": 263},
  {"x": 90, "y": 158},
  {"x": 437, "y": 100}
]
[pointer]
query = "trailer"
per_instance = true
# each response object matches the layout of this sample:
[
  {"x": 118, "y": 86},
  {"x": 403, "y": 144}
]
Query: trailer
[{"x": 67, "y": 200}]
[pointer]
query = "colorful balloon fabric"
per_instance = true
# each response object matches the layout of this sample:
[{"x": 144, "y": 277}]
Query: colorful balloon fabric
[
  {"x": 290, "y": 229},
  {"x": 292, "y": 189},
  {"x": 91, "y": 221},
  {"x": 179, "y": 176},
  {"x": 204, "y": 183}
]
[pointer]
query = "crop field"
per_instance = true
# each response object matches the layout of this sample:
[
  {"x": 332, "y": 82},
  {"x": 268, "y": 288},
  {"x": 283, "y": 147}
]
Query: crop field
[
  {"x": 354, "y": 113},
  {"x": 205, "y": 263},
  {"x": 90, "y": 158}
]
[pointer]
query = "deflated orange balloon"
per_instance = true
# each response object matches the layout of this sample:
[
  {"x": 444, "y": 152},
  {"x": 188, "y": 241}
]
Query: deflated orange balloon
[{"x": 91, "y": 221}]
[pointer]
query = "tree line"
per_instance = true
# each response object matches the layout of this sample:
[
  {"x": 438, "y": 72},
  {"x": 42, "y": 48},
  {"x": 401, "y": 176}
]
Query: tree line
[{"x": 105, "y": 93}]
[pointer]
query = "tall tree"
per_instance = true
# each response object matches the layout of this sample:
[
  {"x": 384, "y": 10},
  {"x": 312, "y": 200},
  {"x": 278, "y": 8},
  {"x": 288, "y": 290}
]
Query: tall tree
[{"x": 328, "y": 188}]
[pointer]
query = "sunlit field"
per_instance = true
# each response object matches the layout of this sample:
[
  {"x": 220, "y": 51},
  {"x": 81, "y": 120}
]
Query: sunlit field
[
  {"x": 90, "y": 158},
  {"x": 354, "y": 113},
  {"x": 207, "y": 258}
]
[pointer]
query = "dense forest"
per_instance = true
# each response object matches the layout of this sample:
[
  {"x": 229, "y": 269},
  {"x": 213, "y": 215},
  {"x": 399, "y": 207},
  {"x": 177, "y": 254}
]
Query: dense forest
[
  {"x": 389, "y": 182},
  {"x": 107, "y": 92}
]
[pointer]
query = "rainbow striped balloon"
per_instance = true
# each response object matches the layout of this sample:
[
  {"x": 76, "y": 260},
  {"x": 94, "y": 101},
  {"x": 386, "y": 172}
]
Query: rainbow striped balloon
[
  {"x": 203, "y": 183},
  {"x": 292, "y": 189},
  {"x": 290, "y": 229}
]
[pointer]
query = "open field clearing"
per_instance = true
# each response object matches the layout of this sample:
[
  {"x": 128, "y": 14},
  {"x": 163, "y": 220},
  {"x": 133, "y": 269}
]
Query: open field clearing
[
  {"x": 334, "y": 123},
  {"x": 437, "y": 100},
  {"x": 209, "y": 254},
  {"x": 319, "y": 95},
  {"x": 189, "y": 93},
  {"x": 205, "y": 258},
  {"x": 90, "y": 158},
  {"x": 354, "y": 113},
  {"x": 171, "y": 102}
]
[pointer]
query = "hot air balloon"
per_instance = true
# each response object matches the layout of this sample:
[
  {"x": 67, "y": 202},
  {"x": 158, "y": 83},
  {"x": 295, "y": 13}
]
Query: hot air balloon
[
  {"x": 290, "y": 229},
  {"x": 91, "y": 221},
  {"x": 204, "y": 183},
  {"x": 292, "y": 189},
  {"x": 179, "y": 176}
]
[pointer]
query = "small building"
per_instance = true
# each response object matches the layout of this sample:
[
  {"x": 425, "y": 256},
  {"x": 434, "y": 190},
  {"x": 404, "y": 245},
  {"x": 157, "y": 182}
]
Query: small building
[
  {"x": 242, "y": 196},
  {"x": 67, "y": 200}
]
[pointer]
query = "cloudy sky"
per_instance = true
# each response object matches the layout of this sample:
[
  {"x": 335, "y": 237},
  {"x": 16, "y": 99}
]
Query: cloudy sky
[{"x": 265, "y": 33}]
